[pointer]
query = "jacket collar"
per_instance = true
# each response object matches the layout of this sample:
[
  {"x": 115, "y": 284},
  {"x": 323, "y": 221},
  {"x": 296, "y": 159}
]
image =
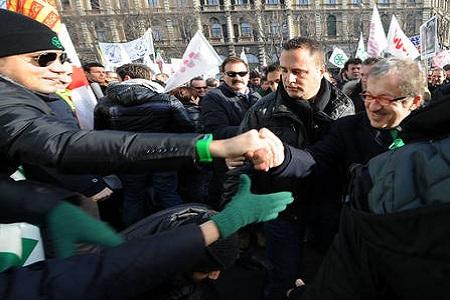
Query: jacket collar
[{"x": 282, "y": 99}]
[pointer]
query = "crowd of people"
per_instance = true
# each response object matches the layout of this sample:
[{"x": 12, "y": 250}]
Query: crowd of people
[{"x": 355, "y": 166}]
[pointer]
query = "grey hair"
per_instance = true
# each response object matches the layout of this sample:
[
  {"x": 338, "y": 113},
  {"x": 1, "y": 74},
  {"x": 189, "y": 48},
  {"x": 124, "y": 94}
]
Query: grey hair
[{"x": 412, "y": 80}]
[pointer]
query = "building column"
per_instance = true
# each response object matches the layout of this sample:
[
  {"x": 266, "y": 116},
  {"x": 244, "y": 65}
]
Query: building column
[
  {"x": 289, "y": 19},
  {"x": 198, "y": 18},
  {"x": 230, "y": 29},
  {"x": 262, "y": 55},
  {"x": 85, "y": 33}
]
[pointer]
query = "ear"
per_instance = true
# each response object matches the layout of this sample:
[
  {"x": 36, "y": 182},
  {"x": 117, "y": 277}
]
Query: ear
[
  {"x": 417, "y": 102},
  {"x": 126, "y": 77},
  {"x": 214, "y": 275},
  {"x": 322, "y": 70}
]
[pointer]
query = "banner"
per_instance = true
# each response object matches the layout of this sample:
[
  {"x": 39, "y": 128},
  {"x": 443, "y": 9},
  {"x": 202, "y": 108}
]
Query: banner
[
  {"x": 441, "y": 59},
  {"x": 114, "y": 54},
  {"x": 199, "y": 58},
  {"x": 428, "y": 38},
  {"x": 361, "y": 51},
  {"x": 43, "y": 11},
  {"x": 160, "y": 62},
  {"x": 377, "y": 41},
  {"x": 416, "y": 42},
  {"x": 338, "y": 58},
  {"x": 117, "y": 54},
  {"x": 399, "y": 44}
]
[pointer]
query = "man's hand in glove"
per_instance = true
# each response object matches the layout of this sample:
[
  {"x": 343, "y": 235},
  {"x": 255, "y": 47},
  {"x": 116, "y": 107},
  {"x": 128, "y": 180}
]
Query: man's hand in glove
[
  {"x": 69, "y": 225},
  {"x": 246, "y": 208}
]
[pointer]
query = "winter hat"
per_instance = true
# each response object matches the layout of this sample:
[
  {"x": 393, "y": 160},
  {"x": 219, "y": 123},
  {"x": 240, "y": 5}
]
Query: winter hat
[{"x": 24, "y": 35}]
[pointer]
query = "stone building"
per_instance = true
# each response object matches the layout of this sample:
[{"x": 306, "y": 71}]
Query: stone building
[{"x": 257, "y": 26}]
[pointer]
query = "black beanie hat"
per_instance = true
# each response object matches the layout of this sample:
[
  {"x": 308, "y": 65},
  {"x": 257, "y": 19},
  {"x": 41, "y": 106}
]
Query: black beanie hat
[{"x": 25, "y": 35}]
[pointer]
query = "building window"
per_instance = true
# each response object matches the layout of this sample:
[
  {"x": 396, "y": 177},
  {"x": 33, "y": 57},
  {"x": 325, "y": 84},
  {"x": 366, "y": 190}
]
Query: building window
[
  {"x": 66, "y": 4},
  {"x": 157, "y": 32},
  {"x": 330, "y": 1},
  {"x": 303, "y": 2},
  {"x": 246, "y": 29},
  {"x": 412, "y": 1},
  {"x": 153, "y": 3},
  {"x": 383, "y": 1},
  {"x": 331, "y": 25},
  {"x": 272, "y": 2},
  {"x": 241, "y": 2},
  {"x": 212, "y": 2},
  {"x": 181, "y": 3},
  {"x": 102, "y": 33},
  {"x": 357, "y": 1},
  {"x": 124, "y": 4},
  {"x": 216, "y": 29},
  {"x": 95, "y": 4}
]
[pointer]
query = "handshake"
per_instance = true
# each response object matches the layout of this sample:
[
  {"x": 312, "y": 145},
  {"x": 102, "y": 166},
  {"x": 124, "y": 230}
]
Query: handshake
[{"x": 263, "y": 148}]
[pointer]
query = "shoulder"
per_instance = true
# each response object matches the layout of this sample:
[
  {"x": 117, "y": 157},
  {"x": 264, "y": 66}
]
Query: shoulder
[{"x": 340, "y": 105}]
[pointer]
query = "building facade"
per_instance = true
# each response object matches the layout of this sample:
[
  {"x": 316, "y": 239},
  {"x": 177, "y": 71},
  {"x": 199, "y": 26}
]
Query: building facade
[{"x": 259, "y": 27}]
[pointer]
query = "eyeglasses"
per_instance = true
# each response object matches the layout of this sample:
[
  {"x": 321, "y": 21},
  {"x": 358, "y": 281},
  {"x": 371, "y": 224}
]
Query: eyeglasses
[
  {"x": 383, "y": 100},
  {"x": 200, "y": 87},
  {"x": 234, "y": 74},
  {"x": 47, "y": 58}
]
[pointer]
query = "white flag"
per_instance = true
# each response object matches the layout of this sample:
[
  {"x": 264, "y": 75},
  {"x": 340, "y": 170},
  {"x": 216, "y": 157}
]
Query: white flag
[
  {"x": 377, "y": 38},
  {"x": 399, "y": 44},
  {"x": 199, "y": 58},
  {"x": 82, "y": 96},
  {"x": 243, "y": 56},
  {"x": 338, "y": 58},
  {"x": 361, "y": 51},
  {"x": 114, "y": 54}
]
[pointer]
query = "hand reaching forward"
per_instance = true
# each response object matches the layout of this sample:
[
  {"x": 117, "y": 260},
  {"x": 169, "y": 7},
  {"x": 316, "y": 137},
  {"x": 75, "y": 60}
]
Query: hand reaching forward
[
  {"x": 246, "y": 208},
  {"x": 263, "y": 148},
  {"x": 265, "y": 158}
]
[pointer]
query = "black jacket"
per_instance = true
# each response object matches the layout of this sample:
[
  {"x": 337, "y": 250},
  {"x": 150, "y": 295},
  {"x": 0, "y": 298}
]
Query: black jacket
[
  {"x": 222, "y": 111},
  {"x": 31, "y": 133},
  {"x": 299, "y": 124},
  {"x": 86, "y": 184},
  {"x": 193, "y": 112},
  {"x": 393, "y": 237},
  {"x": 353, "y": 90},
  {"x": 350, "y": 140},
  {"x": 134, "y": 105}
]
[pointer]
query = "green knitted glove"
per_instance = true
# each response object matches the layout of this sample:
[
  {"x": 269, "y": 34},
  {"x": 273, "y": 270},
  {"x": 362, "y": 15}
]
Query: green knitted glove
[
  {"x": 246, "y": 208},
  {"x": 69, "y": 225}
]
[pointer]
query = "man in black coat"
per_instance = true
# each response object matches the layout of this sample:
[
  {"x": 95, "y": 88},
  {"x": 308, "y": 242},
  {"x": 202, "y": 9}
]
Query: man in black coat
[
  {"x": 392, "y": 237},
  {"x": 138, "y": 104},
  {"x": 223, "y": 109},
  {"x": 299, "y": 113}
]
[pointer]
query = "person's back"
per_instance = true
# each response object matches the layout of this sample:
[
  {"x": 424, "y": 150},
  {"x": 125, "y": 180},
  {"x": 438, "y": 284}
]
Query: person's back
[{"x": 139, "y": 105}]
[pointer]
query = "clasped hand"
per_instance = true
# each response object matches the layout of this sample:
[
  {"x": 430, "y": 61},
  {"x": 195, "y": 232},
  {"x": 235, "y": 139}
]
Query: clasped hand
[{"x": 263, "y": 148}]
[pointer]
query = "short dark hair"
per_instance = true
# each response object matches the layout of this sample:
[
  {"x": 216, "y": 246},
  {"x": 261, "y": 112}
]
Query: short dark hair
[
  {"x": 184, "y": 93},
  {"x": 272, "y": 67},
  {"x": 352, "y": 61},
  {"x": 134, "y": 71},
  {"x": 314, "y": 47},
  {"x": 371, "y": 61},
  {"x": 212, "y": 82},
  {"x": 87, "y": 67},
  {"x": 232, "y": 60},
  {"x": 195, "y": 79},
  {"x": 254, "y": 74},
  {"x": 446, "y": 67}
]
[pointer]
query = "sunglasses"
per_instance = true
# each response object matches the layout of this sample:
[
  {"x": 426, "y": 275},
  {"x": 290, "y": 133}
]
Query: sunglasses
[
  {"x": 234, "y": 74},
  {"x": 47, "y": 58},
  {"x": 200, "y": 87}
]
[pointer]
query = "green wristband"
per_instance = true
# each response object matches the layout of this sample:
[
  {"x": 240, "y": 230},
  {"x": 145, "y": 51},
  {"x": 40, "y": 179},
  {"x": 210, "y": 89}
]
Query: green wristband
[{"x": 202, "y": 147}]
